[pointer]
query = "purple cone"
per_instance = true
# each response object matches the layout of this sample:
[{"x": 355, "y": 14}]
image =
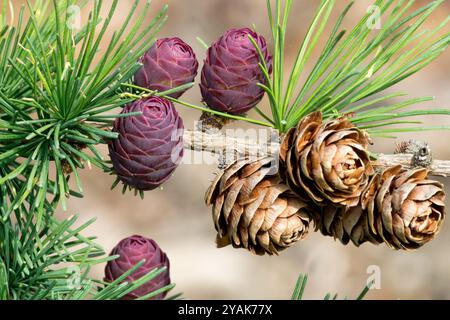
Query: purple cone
[
  {"x": 231, "y": 74},
  {"x": 131, "y": 251},
  {"x": 150, "y": 146},
  {"x": 168, "y": 64}
]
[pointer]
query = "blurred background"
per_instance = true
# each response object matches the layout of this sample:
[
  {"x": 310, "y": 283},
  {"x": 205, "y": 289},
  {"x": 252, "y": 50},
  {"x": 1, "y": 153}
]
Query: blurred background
[{"x": 178, "y": 220}]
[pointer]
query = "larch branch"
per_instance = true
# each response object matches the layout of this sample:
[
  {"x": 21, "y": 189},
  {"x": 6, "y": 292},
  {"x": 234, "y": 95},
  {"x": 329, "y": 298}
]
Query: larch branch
[{"x": 218, "y": 143}]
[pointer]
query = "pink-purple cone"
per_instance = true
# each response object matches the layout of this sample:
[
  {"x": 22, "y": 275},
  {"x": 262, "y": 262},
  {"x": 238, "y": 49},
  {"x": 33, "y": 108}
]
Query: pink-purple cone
[
  {"x": 150, "y": 146},
  {"x": 131, "y": 251},
  {"x": 231, "y": 73},
  {"x": 168, "y": 64}
]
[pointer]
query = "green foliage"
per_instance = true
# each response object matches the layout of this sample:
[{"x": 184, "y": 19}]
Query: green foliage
[
  {"x": 53, "y": 262},
  {"x": 56, "y": 92},
  {"x": 73, "y": 87},
  {"x": 354, "y": 70},
  {"x": 59, "y": 96},
  {"x": 354, "y": 66},
  {"x": 301, "y": 286},
  {"x": 11, "y": 38}
]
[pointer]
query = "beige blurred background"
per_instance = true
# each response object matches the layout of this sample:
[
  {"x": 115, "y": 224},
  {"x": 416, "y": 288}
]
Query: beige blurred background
[{"x": 178, "y": 220}]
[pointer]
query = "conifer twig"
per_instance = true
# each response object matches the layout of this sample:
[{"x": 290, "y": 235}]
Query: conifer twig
[{"x": 219, "y": 144}]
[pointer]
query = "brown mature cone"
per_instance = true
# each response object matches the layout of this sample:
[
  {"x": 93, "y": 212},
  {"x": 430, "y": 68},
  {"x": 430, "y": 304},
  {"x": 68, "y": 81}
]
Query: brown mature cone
[
  {"x": 256, "y": 211},
  {"x": 404, "y": 208},
  {"x": 345, "y": 224},
  {"x": 326, "y": 161},
  {"x": 399, "y": 207}
]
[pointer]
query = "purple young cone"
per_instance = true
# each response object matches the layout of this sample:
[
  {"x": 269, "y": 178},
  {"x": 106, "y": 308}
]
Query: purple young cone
[
  {"x": 231, "y": 73},
  {"x": 168, "y": 64},
  {"x": 131, "y": 251},
  {"x": 150, "y": 146}
]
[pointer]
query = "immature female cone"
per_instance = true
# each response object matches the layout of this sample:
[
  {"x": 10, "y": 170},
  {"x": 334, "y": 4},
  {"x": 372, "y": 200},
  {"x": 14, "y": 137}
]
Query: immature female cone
[
  {"x": 404, "y": 209},
  {"x": 327, "y": 162},
  {"x": 150, "y": 145},
  {"x": 231, "y": 72},
  {"x": 131, "y": 251},
  {"x": 168, "y": 64},
  {"x": 256, "y": 211}
]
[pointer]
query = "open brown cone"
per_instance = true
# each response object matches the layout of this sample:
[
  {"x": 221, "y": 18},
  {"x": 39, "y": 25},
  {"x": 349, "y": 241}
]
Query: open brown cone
[
  {"x": 256, "y": 211},
  {"x": 327, "y": 162},
  {"x": 407, "y": 210},
  {"x": 399, "y": 207}
]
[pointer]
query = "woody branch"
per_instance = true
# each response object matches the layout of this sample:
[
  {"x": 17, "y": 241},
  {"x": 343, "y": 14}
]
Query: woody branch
[{"x": 218, "y": 143}]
